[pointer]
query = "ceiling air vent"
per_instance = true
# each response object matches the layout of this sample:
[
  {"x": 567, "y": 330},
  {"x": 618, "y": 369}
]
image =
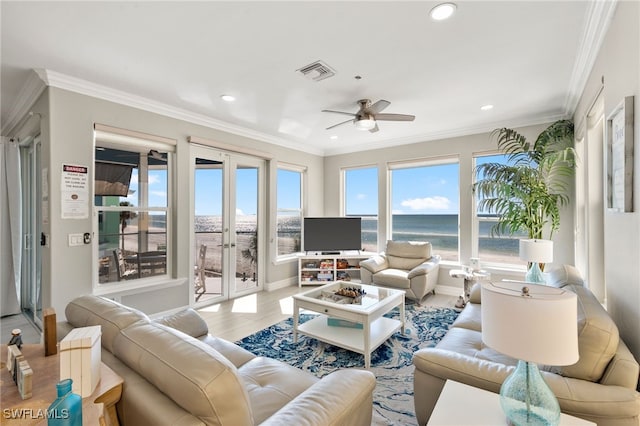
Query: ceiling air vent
[{"x": 317, "y": 71}]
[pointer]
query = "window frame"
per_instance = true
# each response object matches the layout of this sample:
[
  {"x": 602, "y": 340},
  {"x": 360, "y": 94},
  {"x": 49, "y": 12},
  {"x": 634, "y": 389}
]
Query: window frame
[
  {"x": 475, "y": 226},
  {"x": 302, "y": 170},
  {"x": 418, "y": 163},
  {"x": 343, "y": 197},
  {"x": 135, "y": 142}
]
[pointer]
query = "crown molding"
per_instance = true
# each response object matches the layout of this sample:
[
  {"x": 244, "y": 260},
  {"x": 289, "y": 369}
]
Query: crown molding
[
  {"x": 597, "y": 21},
  {"x": 27, "y": 97},
  {"x": 448, "y": 134},
  {"x": 73, "y": 84}
]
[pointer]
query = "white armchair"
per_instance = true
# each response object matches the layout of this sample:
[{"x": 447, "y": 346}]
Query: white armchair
[{"x": 406, "y": 265}]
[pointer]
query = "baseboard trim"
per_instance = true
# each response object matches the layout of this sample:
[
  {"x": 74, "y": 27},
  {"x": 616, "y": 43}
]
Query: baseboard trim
[{"x": 277, "y": 285}]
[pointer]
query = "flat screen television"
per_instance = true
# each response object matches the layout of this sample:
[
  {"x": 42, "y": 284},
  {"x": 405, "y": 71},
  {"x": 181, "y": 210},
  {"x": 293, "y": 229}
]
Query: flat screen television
[{"x": 332, "y": 234}]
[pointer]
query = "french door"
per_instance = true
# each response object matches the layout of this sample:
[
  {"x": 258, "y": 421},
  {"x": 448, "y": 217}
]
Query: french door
[{"x": 228, "y": 199}]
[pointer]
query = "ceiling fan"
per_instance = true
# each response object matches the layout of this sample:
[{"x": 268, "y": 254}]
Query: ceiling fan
[{"x": 367, "y": 116}]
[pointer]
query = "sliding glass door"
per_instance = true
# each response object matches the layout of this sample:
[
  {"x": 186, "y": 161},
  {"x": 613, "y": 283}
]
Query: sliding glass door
[
  {"x": 227, "y": 215},
  {"x": 31, "y": 179}
]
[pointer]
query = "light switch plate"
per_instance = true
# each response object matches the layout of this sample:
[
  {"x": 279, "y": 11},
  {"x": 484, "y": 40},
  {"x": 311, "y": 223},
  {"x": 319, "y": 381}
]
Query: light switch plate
[{"x": 76, "y": 240}]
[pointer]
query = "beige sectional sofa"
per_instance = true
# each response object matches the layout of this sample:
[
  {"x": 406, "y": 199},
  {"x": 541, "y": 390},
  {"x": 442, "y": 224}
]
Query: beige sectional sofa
[
  {"x": 600, "y": 387},
  {"x": 175, "y": 373}
]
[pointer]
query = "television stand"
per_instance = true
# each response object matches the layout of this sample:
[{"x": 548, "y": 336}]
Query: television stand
[{"x": 320, "y": 269}]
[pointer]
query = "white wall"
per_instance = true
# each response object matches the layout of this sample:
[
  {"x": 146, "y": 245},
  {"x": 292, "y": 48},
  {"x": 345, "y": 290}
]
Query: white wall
[
  {"x": 68, "y": 139},
  {"x": 618, "y": 64}
]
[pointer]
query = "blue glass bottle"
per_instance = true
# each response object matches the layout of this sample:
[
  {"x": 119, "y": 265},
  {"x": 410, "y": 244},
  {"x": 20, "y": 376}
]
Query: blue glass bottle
[{"x": 66, "y": 410}]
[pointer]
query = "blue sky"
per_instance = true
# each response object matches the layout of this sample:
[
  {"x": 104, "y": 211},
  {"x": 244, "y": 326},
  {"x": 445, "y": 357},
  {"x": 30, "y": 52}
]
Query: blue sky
[
  {"x": 157, "y": 188},
  {"x": 208, "y": 192},
  {"x": 417, "y": 190}
]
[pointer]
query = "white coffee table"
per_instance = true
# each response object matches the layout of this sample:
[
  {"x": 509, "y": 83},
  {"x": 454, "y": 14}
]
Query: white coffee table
[{"x": 376, "y": 328}]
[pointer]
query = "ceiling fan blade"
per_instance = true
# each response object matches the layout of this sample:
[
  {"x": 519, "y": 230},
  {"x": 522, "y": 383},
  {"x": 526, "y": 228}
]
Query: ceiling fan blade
[
  {"x": 378, "y": 106},
  {"x": 339, "y": 124},
  {"x": 339, "y": 112},
  {"x": 375, "y": 128},
  {"x": 395, "y": 117}
]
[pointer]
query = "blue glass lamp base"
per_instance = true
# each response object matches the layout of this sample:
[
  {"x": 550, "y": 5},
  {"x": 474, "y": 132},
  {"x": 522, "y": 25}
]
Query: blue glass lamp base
[
  {"x": 534, "y": 274},
  {"x": 527, "y": 400}
]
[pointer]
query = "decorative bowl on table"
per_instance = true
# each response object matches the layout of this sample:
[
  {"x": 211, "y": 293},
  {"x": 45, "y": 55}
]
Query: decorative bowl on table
[{"x": 344, "y": 295}]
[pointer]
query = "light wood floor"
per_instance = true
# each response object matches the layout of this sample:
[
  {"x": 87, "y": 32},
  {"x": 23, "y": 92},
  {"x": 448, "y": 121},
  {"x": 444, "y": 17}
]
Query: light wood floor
[
  {"x": 231, "y": 320},
  {"x": 239, "y": 318}
]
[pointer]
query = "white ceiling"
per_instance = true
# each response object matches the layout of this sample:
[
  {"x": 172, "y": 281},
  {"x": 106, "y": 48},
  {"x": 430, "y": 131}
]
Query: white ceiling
[{"x": 529, "y": 59}]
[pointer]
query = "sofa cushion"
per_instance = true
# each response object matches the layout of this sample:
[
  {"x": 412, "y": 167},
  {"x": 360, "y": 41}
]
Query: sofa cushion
[
  {"x": 470, "y": 317},
  {"x": 188, "y": 321},
  {"x": 469, "y": 342},
  {"x": 407, "y": 254},
  {"x": 194, "y": 375},
  {"x": 598, "y": 338},
  {"x": 272, "y": 384},
  {"x": 90, "y": 310},
  {"x": 395, "y": 278}
]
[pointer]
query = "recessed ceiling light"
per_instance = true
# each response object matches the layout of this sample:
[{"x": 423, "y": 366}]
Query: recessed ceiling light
[
  {"x": 334, "y": 137},
  {"x": 486, "y": 107},
  {"x": 228, "y": 98},
  {"x": 442, "y": 11}
]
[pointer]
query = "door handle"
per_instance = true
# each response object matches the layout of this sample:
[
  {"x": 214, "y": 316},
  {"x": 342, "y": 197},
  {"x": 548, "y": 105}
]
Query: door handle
[
  {"x": 225, "y": 245},
  {"x": 233, "y": 244}
]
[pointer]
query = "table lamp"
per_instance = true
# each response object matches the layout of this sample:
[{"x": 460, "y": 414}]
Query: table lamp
[
  {"x": 536, "y": 251},
  {"x": 535, "y": 324}
]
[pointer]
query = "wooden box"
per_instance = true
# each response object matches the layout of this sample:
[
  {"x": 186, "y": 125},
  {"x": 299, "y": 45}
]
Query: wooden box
[{"x": 80, "y": 359}]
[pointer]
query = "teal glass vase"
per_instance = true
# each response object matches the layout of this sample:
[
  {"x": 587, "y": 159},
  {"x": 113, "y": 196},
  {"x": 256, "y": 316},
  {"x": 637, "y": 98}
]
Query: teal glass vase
[
  {"x": 534, "y": 274},
  {"x": 66, "y": 410},
  {"x": 527, "y": 400}
]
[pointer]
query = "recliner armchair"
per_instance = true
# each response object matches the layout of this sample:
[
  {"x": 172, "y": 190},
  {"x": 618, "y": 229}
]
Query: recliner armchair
[{"x": 406, "y": 265}]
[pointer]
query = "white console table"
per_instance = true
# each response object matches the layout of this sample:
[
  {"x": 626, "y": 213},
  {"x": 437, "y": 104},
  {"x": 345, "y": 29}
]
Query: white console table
[{"x": 461, "y": 404}]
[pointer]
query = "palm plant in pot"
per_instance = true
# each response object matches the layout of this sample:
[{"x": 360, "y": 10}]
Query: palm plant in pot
[{"x": 528, "y": 191}]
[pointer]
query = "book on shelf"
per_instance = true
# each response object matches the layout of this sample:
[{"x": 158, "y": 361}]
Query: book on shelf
[{"x": 337, "y": 322}]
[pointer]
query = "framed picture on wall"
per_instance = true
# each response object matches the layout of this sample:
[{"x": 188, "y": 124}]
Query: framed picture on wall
[{"x": 619, "y": 132}]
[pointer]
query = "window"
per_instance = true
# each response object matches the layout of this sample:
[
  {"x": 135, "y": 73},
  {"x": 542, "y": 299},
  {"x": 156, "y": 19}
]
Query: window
[
  {"x": 132, "y": 209},
  {"x": 289, "y": 211},
  {"x": 425, "y": 204},
  {"x": 494, "y": 249},
  {"x": 361, "y": 199}
]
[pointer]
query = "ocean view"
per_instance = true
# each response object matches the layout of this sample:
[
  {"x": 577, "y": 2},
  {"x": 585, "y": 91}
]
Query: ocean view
[{"x": 440, "y": 230}]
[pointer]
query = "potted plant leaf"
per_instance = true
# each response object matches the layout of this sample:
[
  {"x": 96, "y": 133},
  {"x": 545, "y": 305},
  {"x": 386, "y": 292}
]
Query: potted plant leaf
[{"x": 528, "y": 191}]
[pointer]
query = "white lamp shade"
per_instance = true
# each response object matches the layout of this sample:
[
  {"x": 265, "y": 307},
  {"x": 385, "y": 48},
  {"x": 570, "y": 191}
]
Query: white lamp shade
[
  {"x": 534, "y": 250},
  {"x": 540, "y": 328}
]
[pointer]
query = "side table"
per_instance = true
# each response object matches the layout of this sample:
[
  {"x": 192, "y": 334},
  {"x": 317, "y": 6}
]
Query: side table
[
  {"x": 99, "y": 408},
  {"x": 461, "y": 404},
  {"x": 470, "y": 277}
]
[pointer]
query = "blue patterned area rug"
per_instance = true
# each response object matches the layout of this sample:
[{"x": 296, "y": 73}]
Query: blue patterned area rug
[{"x": 391, "y": 362}]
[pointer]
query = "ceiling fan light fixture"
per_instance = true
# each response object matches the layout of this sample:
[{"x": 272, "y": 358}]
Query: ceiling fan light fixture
[
  {"x": 443, "y": 11},
  {"x": 365, "y": 123}
]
